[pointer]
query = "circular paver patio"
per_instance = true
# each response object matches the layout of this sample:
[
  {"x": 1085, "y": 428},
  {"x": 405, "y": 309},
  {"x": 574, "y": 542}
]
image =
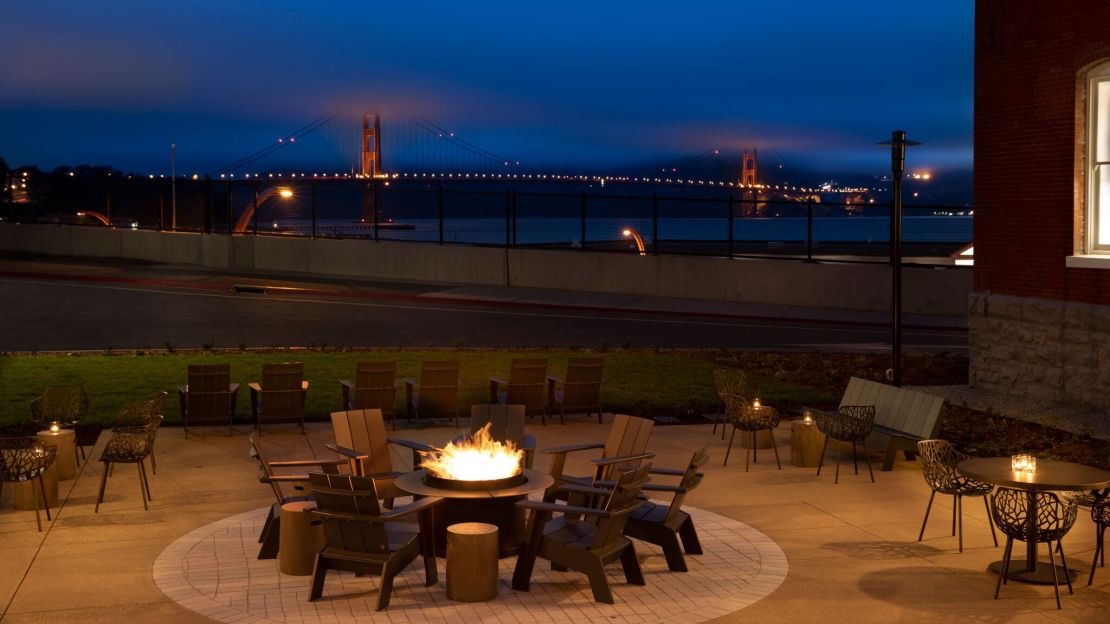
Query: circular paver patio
[{"x": 214, "y": 572}]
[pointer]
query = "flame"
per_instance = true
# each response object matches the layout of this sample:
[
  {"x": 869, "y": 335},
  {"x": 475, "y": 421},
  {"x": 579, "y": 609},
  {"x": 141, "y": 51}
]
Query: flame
[{"x": 477, "y": 458}]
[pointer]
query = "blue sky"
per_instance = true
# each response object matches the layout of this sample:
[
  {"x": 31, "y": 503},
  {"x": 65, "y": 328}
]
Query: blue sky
[{"x": 596, "y": 84}]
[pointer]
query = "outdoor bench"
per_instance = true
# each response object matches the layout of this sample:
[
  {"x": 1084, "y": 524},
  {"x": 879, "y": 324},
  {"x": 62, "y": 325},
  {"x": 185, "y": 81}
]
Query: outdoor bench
[{"x": 902, "y": 417}]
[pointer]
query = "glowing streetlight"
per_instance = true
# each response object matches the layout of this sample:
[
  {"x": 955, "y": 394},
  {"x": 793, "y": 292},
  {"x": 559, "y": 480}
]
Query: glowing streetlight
[
  {"x": 285, "y": 193},
  {"x": 95, "y": 215},
  {"x": 629, "y": 232},
  {"x": 274, "y": 191}
]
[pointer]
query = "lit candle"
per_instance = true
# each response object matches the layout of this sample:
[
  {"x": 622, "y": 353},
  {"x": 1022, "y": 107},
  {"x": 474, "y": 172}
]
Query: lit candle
[
  {"x": 808, "y": 418},
  {"x": 1023, "y": 463},
  {"x": 755, "y": 403},
  {"x": 55, "y": 427}
]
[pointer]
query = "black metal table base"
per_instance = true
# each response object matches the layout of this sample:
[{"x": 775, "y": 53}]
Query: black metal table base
[{"x": 1041, "y": 576}]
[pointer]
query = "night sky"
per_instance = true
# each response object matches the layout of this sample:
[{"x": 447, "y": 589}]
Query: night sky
[{"x": 567, "y": 84}]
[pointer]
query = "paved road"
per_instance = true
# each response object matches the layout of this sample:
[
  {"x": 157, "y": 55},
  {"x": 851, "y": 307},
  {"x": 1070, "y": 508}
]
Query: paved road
[{"x": 52, "y": 315}]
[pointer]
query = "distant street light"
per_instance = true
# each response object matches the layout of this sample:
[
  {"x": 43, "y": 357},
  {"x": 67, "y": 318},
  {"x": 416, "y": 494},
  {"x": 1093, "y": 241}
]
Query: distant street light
[
  {"x": 629, "y": 232},
  {"x": 274, "y": 191},
  {"x": 898, "y": 144}
]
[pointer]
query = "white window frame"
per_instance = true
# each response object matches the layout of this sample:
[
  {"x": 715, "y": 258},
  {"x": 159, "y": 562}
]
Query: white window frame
[{"x": 1098, "y": 118}]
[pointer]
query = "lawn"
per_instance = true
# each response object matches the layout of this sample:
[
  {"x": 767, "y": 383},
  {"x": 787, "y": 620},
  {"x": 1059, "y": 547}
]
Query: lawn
[{"x": 638, "y": 382}]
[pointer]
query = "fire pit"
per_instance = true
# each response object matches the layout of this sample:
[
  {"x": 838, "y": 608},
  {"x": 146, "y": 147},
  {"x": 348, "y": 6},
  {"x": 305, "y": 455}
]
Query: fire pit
[{"x": 480, "y": 480}]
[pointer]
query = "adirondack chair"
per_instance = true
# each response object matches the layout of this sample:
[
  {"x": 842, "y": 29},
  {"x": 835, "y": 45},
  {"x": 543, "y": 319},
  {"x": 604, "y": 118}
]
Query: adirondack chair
[
  {"x": 209, "y": 398},
  {"x": 363, "y": 539},
  {"x": 626, "y": 446},
  {"x": 281, "y": 395},
  {"x": 268, "y": 474},
  {"x": 581, "y": 392},
  {"x": 506, "y": 425},
  {"x": 438, "y": 394},
  {"x": 662, "y": 525},
  {"x": 527, "y": 378},
  {"x": 587, "y": 544},
  {"x": 67, "y": 405},
  {"x": 375, "y": 387},
  {"x": 360, "y": 438}
]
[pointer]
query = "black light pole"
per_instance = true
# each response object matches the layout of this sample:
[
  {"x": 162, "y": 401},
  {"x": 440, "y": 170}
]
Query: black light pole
[{"x": 897, "y": 145}]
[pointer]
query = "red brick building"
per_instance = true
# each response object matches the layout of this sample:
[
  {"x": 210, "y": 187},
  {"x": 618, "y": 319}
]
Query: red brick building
[{"x": 1040, "y": 313}]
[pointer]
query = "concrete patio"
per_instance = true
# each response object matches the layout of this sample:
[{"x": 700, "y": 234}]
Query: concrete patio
[{"x": 851, "y": 547}]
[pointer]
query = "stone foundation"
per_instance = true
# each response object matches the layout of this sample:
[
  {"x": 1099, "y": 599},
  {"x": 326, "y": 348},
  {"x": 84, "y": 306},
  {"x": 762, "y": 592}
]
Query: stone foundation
[{"x": 1044, "y": 350}]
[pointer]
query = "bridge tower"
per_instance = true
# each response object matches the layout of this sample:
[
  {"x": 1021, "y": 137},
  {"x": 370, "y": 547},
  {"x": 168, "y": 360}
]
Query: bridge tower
[
  {"x": 748, "y": 168},
  {"x": 371, "y": 146}
]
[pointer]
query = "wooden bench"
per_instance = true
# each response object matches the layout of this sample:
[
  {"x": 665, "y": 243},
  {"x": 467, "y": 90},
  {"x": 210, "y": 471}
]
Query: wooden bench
[{"x": 902, "y": 417}]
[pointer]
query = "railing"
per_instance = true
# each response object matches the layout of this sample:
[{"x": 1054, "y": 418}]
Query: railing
[{"x": 732, "y": 225}]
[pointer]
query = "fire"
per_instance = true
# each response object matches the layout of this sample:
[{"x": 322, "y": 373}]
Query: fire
[{"x": 477, "y": 458}]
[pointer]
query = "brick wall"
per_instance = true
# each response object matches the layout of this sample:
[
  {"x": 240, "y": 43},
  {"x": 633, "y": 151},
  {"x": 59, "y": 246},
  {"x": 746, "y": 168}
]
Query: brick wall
[{"x": 1027, "y": 132}]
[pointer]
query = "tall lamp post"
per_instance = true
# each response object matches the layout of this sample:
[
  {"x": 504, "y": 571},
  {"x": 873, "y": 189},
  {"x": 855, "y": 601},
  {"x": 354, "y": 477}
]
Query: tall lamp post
[
  {"x": 898, "y": 144},
  {"x": 173, "y": 186}
]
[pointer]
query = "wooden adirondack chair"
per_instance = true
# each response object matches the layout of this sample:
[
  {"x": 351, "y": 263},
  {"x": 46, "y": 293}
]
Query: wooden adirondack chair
[
  {"x": 363, "y": 539},
  {"x": 662, "y": 525},
  {"x": 506, "y": 425},
  {"x": 360, "y": 438},
  {"x": 626, "y": 446},
  {"x": 438, "y": 396},
  {"x": 587, "y": 544},
  {"x": 281, "y": 395},
  {"x": 581, "y": 392},
  {"x": 527, "y": 378},
  {"x": 209, "y": 398},
  {"x": 268, "y": 474},
  {"x": 375, "y": 387}
]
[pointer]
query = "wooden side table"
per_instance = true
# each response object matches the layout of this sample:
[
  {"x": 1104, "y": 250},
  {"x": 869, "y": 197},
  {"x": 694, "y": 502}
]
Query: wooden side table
[
  {"x": 25, "y": 494},
  {"x": 764, "y": 439},
  {"x": 805, "y": 444},
  {"x": 65, "y": 440},
  {"x": 472, "y": 562},
  {"x": 302, "y": 536}
]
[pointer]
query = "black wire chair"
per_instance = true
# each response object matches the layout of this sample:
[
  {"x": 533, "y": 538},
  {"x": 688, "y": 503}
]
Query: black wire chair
[
  {"x": 938, "y": 466},
  {"x": 750, "y": 419},
  {"x": 727, "y": 381},
  {"x": 852, "y": 424},
  {"x": 65, "y": 405},
  {"x": 135, "y": 418},
  {"x": 132, "y": 444},
  {"x": 23, "y": 460},
  {"x": 1051, "y": 520},
  {"x": 1100, "y": 515}
]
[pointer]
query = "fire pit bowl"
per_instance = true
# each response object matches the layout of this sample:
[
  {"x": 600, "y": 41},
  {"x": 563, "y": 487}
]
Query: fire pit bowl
[{"x": 459, "y": 485}]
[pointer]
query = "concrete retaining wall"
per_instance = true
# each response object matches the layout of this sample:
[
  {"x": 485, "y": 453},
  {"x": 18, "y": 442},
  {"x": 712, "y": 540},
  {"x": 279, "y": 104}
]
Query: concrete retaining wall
[{"x": 778, "y": 282}]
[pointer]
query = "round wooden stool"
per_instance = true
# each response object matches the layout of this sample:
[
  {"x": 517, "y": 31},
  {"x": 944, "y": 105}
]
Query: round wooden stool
[
  {"x": 764, "y": 439},
  {"x": 472, "y": 562},
  {"x": 65, "y": 463},
  {"x": 301, "y": 538},
  {"x": 805, "y": 444},
  {"x": 26, "y": 494}
]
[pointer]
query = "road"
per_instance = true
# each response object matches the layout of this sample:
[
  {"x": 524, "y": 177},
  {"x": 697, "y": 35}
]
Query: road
[{"x": 56, "y": 315}]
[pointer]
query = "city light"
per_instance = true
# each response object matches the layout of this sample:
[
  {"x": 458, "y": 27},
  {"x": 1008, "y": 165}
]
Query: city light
[{"x": 285, "y": 193}]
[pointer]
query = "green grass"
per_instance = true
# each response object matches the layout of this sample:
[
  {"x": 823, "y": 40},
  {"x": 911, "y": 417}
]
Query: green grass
[{"x": 643, "y": 383}]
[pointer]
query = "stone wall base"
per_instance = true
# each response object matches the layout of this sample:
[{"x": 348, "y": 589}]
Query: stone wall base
[{"x": 1041, "y": 349}]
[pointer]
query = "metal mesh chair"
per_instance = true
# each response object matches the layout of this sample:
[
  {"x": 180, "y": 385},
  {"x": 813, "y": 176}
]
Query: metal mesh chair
[
  {"x": 1100, "y": 515},
  {"x": 27, "y": 459},
  {"x": 135, "y": 418},
  {"x": 66, "y": 405},
  {"x": 727, "y": 380},
  {"x": 1028, "y": 516},
  {"x": 853, "y": 424},
  {"x": 132, "y": 445},
  {"x": 938, "y": 466},
  {"x": 750, "y": 419}
]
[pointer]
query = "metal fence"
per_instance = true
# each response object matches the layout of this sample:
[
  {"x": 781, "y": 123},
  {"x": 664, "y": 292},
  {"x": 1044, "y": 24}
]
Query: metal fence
[{"x": 673, "y": 221}]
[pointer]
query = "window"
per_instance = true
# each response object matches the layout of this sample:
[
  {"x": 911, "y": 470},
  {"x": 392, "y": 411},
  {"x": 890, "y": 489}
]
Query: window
[{"x": 1098, "y": 159}]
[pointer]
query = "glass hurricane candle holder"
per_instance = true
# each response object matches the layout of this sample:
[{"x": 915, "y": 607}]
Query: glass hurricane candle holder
[
  {"x": 756, "y": 403},
  {"x": 807, "y": 418},
  {"x": 1023, "y": 463},
  {"x": 55, "y": 427}
]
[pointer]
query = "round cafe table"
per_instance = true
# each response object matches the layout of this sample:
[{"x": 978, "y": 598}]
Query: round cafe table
[{"x": 1051, "y": 475}]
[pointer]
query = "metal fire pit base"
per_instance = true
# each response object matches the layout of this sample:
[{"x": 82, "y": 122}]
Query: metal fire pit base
[{"x": 495, "y": 506}]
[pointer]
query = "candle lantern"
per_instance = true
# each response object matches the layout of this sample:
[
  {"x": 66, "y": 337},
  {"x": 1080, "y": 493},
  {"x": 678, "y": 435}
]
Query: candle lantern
[
  {"x": 755, "y": 403},
  {"x": 807, "y": 418},
  {"x": 55, "y": 427},
  {"x": 1023, "y": 463}
]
